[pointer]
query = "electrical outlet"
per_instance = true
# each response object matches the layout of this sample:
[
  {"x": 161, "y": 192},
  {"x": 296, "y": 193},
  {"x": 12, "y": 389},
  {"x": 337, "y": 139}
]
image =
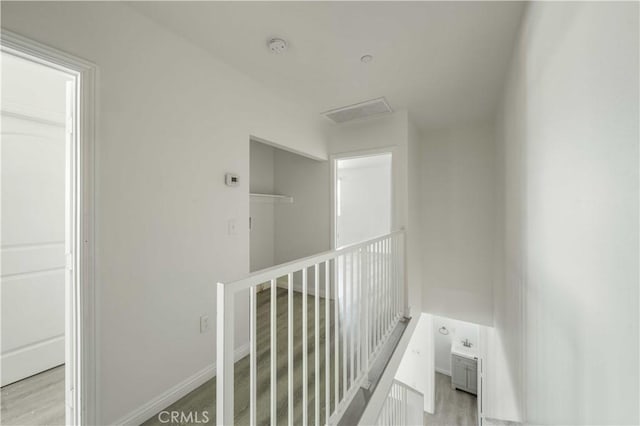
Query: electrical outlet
[{"x": 204, "y": 324}]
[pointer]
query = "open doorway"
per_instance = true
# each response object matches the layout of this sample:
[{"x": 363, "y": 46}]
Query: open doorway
[
  {"x": 362, "y": 197},
  {"x": 46, "y": 240},
  {"x": 34, "y": 240},
  {"x": 458, "y": 366}
]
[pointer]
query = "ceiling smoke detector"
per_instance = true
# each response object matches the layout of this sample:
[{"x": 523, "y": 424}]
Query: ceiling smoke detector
[{"x": 277, "y": 45}]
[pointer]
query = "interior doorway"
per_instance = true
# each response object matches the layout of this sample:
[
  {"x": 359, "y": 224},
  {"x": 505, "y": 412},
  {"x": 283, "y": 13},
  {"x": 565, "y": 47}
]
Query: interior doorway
[
  {"x": 362, "y": 197},
  {"x": 46, "y": 241},
  {"x": 458, "y": 364}
]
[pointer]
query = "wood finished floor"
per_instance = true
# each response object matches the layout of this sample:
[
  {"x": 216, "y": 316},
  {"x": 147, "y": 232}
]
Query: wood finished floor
[
  {"x": 203, "y": 399},
  {"x": 36, "y": 400},
  {"x": 39, "y": 400},
  {"x": 452, "y": 407}
]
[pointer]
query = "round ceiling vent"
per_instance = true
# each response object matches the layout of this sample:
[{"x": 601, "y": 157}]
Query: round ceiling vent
[{"x": 277, "y": 45}]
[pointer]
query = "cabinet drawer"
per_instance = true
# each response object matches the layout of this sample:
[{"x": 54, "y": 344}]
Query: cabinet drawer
[{"x": 470, "y": 363}]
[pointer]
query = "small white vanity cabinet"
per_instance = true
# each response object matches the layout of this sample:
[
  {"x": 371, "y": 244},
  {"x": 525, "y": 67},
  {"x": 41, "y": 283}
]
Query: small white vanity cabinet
[{"x": 464, "y": 373}]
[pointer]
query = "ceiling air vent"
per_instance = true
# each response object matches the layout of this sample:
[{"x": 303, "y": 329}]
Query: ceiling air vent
[{"x": 361, "y": 110}]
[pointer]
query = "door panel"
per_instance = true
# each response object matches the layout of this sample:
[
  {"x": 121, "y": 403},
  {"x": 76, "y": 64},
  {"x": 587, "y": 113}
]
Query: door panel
[
  {"x": 33, "y": 219},
  {"x": 458, "y": 373},
  {"x": 472, "y": 379}
]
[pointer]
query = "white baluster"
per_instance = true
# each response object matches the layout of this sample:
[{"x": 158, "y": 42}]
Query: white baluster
[
  {"x": 316, "y": 323},
  {"x": 336, "y": 325},
  {"x": 352, "y": 312},
  {"x": 274, "y": 352},
  {"x": 289, "y": 347},
  {"x": 224, "y": 356},
  {"x": 327, "y": 343},
  {"x": 252, "y": 355},
  {"x": 360, "y": 311},
  {"x": 344, "y": 326},
  {"x": 305, "y": 352}
]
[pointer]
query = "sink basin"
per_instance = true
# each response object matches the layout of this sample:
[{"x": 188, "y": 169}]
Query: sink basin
[{"x": 463, "y": 351}]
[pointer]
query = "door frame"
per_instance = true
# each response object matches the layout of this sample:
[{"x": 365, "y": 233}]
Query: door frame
[
  {"x": 333, "y": 171},
  {"x": 81, "y": 394}
]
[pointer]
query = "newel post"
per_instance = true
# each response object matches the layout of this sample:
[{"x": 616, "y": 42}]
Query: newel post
[
  {"x": 405, "y": 274},
  {"x": 224, "y": 356}
]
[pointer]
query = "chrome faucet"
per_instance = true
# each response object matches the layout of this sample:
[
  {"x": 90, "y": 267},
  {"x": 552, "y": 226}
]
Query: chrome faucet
[{"x": 466, "y": 343}]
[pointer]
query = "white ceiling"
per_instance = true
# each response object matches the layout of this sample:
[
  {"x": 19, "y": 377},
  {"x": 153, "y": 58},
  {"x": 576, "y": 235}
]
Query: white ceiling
[{"x": 442, "y": 61}]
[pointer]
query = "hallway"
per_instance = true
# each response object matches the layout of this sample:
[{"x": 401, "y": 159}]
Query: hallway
[{"x": 210, "y": 147}]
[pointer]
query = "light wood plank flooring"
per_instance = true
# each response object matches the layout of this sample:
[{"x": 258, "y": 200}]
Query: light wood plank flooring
[
  {"x": 204, "y": 397},
  {"x": 452, "y": 407},
  {"x": 36, "y": 400}
]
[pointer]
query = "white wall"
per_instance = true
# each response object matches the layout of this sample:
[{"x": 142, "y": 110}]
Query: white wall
[
  {"x": 302, "y": 228},
  {"x": 172, "y": 121},
  {"x": 569, "y": 150},
  {"x": 33, "y": 218},
  {"x": 415, "y": 217},
  {"x": 262, "y": 234},
  {"x": 417, "y": 366},
  {"x": 458, "y": 205},
  {"x": 261, "y": 159}
]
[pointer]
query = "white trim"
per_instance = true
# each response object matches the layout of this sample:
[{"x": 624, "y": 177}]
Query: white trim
[
  {"x": 285, "y": 148},
  {"x": 264, "y": 275},
  {"x": 445, "y": 372},
  {"x": 31, "y": 359},
  {"x": 84, "y": 334},
  {"x": 175, "y": 393}
]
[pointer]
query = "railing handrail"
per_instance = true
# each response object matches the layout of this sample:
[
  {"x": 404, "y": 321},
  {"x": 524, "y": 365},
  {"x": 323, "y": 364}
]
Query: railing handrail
[
  {"x": 396, "y": 409},
  {"x": 368, "y": 284},
  {"x": 381, "y": 391},
  {"x": 283, "y": 269}
]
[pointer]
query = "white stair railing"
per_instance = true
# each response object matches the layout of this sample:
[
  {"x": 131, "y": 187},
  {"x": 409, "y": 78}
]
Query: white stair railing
[
  {"x": 362, "y": 292},
  {"x": 402, "y": 407}
]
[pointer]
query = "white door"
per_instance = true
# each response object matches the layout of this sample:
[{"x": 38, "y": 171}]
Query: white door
[
  {"x": 363, "y": 198},
  {"x": 33, "y": 217}
]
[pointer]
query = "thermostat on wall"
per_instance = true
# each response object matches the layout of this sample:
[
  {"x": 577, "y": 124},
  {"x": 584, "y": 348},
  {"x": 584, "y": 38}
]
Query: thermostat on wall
[{"x": 231, "y": 179}]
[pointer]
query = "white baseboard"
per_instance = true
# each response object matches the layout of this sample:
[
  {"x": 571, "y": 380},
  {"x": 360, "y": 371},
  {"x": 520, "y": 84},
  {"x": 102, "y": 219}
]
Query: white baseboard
[
  {"x": 32, "y": 359},
  {"x": 445, "y": 372},
  {"x": 165, "y": 399}
]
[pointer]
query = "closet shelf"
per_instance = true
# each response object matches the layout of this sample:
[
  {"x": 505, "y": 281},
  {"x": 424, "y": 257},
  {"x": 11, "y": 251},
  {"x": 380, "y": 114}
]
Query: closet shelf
[{"x": 271, "y": 198}]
